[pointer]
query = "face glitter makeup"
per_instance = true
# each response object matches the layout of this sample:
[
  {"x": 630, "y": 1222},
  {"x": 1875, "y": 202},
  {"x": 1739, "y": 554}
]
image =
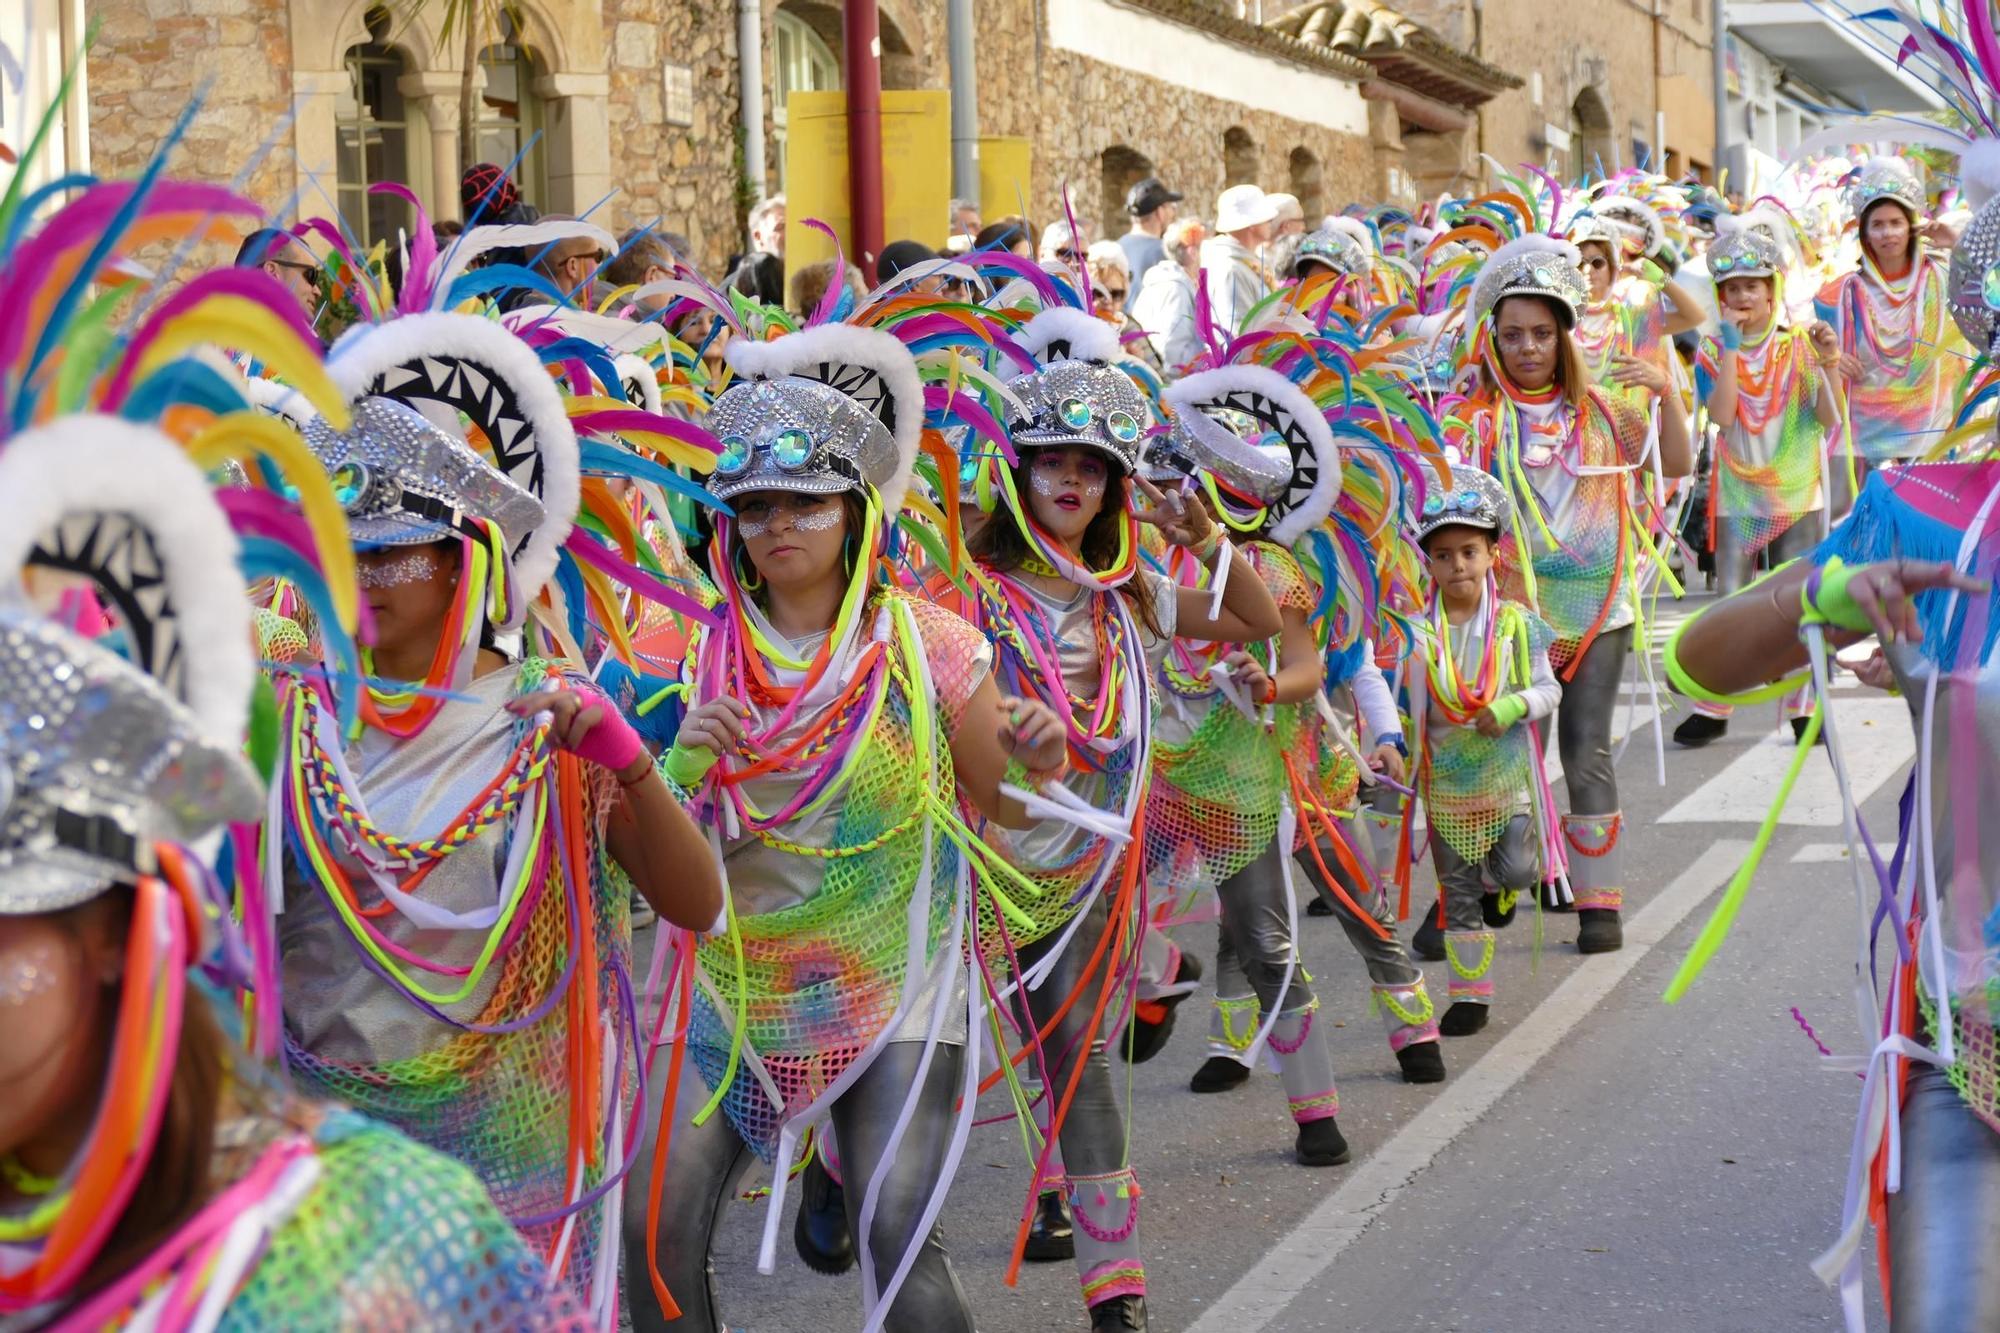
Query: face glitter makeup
[
  {"x": 410, "y": 567},
  {"x": 25, "y": 975},
  {"x": 752, "y": 527},
  {"x": 823, "y": 519}
]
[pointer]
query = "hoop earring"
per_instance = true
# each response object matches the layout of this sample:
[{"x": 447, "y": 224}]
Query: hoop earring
[
  {"x": 749, "y": 582},
  {"x": 847, "y": 553}
]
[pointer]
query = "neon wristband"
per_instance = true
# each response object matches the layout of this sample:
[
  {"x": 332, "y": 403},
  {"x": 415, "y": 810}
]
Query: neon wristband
[
  {"x": 1825, "y": 601},
  {"x": 1508, "y": 709},
  {"x": 1732, "y": 337},
  {"x": 1683, "y": 684},
  {"x": 686, "y": 765}
]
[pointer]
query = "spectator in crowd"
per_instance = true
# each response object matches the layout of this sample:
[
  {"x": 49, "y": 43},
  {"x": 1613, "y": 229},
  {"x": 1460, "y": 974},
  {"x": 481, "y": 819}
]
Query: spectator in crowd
[
  {"x": 1063, "y": 243},
  {"x": 644, "y": 257},
  {"x": 1165, "y": 304},
  {"x": 1244, "y": 216},
  {"x": 489, "y": 192},
  {"x": 964, "y": 221},
  {"x": 898, "y": 256},
  {"x": 1290, "y": 219},
  {"x": 1150, "y": 205},
  {"x": 761, "y": 271},
  {"x": 446, "y": 230},
  {"x": 572, "y": 264},
  {"x": 284, "y": 257},
  {"x": 809, "y": 286},
  {"x": 1012, "y": 233},
  {"x": 1110, "y": 292}
]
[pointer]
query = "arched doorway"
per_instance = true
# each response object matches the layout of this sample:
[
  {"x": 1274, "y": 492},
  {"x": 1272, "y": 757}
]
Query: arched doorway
[
  {"x": 802, "y": 61},
  {"x": 1119, "y": 169},
  {"x": 510, "y": 123},
  {"x": 1239, "y": 157},
  {"x": 1308, "y": 185},
  {"x": 371, "y": 135},
  {"x": 1593, "y": 148}
]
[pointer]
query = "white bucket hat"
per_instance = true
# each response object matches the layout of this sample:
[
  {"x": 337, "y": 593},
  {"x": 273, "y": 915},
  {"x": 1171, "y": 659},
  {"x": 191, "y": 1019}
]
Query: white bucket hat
[{"x": 1242, "y": 206}]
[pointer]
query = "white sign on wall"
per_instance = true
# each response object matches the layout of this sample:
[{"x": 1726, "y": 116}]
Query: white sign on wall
[{"x": 679, "y": 100}]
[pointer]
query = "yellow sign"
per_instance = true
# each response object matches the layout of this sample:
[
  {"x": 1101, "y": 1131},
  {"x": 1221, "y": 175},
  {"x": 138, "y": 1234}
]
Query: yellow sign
[
  {"x": 1006, "y": 181},
  {"x": 916, "y": 171}
]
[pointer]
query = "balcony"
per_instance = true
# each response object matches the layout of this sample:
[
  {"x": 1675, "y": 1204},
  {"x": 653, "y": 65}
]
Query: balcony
[{"x": 1849, "y": 57}]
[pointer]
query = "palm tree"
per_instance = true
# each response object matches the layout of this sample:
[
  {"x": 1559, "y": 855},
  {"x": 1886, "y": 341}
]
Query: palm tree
[{"x": 480, "y": 23}]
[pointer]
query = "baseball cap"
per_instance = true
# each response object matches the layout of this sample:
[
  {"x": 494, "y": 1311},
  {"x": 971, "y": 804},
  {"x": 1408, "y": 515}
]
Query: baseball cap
[{"x": 1147, "y": 195}]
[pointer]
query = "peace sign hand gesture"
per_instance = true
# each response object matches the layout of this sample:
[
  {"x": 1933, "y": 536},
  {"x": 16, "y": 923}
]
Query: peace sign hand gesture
[{"x": 1181, "y": 522}]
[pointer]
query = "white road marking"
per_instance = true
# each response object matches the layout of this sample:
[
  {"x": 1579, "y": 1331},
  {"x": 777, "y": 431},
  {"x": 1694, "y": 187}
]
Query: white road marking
[
  {"x": 1305, "y": 1253},
  {"x": 1875, "y": 739},
  {"x": 1814, "y": 852}
]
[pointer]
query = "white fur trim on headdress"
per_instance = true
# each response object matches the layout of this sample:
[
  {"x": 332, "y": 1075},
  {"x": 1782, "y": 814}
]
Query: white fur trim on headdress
[
  {"x": 608, "y": 331},
  {"x": 1354, "y": 227},
  {"x": 1500, "y": 266},
  {"x": 1060, "y": 333},
  {"x": 427, "y": 359},
  {"x": 1652, "y": 229},
  {"x": 1240, "y": 387},
  {"x": 65, "y": 488},
  {"x": 281, "y": 400},
  {"x": 529, "y": 236},
  {"x": 823, "y": 353},
  {"x": 636, "y": 371}
]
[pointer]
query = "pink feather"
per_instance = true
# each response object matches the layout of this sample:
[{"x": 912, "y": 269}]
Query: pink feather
[{"x": 420, "y": 268}]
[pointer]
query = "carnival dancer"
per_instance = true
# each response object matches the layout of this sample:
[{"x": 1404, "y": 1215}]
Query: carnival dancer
[
  {"x": 1078, "y": 623},
  {"x": 1632, "y": 308},
  {"x": 462, "y": 846},
  {"x": 1485, "y": 681},
  {"x": 1772, "y": 394},
  {"x": 1899, "y": 350},
  {"x": 1926, "y": 1166},
  {"x": 834, "y": 722},
  {"x": 151, "y": 1172},
  {"x": 1233, "y": 739},
  {"x": 1566, "y": 452}
]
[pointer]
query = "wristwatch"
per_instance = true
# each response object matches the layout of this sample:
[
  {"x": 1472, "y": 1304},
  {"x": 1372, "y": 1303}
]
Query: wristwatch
[{"x": 1395, "y": 740}]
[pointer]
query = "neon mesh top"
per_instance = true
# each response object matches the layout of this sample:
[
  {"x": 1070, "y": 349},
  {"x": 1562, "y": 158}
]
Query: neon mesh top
[{"x": 1902, "y": 332}]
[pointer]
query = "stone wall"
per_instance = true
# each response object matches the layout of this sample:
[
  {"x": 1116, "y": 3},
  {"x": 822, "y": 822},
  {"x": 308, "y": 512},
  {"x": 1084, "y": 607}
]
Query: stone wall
[
  {"x": 150, "y": 58},
  {"x": 684, "y": 175}
]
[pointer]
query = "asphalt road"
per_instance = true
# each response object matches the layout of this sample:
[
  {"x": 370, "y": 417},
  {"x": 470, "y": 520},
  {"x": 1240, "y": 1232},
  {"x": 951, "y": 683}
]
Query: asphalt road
[{"x": 1597, "y": 1158}]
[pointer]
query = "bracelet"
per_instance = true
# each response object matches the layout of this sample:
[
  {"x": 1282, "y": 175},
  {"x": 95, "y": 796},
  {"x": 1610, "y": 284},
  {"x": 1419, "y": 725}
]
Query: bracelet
[
  {"x": 1683, "y": 684},
  {"x": 686, "y": 765},
  {"x": 1207, "y": 545},
  {"x": 646, "y": 770},
  {"x": 1018, "y": 774},
  {"x": 1732, "y": 337},
  {"x": 1270, "y": 690},
  {"x": 1824, "y": 599}
]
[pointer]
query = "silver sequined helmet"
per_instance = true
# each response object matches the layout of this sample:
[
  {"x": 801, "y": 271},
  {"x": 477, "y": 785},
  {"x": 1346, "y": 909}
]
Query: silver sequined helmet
[
  {"x": 404, "y": 482},
  {"x": 1534, "y": 265},
  {"x": 1638, "y": 223},
  {"x": 103, "y": 755},
  {"x": 1332, "y": 248},
  {"x": 824, "y": 410},
  {"x": 1259, "y": 434},
  {"x": 1741, "y": 252},
  {"x": 1473, "y": 498},
  {"x": 1889, "y": 178},
  {"x": 1075, "y": 394},
  {"x": 467, "y": 374},
  {"x": 1973, "y": 280}
]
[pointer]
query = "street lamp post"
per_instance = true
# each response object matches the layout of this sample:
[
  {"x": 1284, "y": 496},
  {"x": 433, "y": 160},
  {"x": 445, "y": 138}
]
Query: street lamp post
[{"x": 1719, "y": 56}]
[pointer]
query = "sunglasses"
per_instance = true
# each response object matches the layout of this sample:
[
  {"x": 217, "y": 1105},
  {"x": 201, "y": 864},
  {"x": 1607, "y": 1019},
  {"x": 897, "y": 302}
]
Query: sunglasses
[
  {"x": 1111, "y": 295},
  {"x": 310, "y": 270},
  {"x": 1066, "y": 254}
]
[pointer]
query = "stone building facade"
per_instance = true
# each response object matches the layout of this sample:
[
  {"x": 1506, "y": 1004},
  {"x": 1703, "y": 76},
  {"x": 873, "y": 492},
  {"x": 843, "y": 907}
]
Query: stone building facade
[{"x": 633, "y": 109}]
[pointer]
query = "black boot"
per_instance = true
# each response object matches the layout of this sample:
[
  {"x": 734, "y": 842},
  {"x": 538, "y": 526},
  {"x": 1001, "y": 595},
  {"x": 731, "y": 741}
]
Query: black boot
[
  {"x": 1428, "y": 942},
  {"x": 1463, "y": 1019},
  {"x": 1153, "y": 1020},
  {"x": 1051, "y": 1239},
  {"x": 821, "y": 1235},
  {"x": 1497, "y": 908},
  {"x": 1317, "y": 905},
  {"x": 1550, "y": 902},
  {"x": 1219, "y": 1073},
  {"x": 1422, "y": 1062},
  {"x": 1698, "y": 729},
  {"x": 1120, "y": 1314},
  {"x": 1799, "y": 732},
  {"x": 1598, "y": 931},
  {"x": 1321, "y": 1144}
]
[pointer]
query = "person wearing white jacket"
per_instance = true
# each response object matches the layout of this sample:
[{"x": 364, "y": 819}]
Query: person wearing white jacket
[
  {"x": 1244, "y": 216},
  {"x": 1164, "y": 307}
]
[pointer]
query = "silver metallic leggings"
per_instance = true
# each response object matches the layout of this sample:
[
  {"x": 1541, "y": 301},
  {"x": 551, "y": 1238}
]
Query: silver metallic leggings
[
  {"x": 1735, "y": 568},
  {"x": 705, "y": 1164},
  {"x": 1944, "y": 1224},
  {"x": 1583, "y": 723}
]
